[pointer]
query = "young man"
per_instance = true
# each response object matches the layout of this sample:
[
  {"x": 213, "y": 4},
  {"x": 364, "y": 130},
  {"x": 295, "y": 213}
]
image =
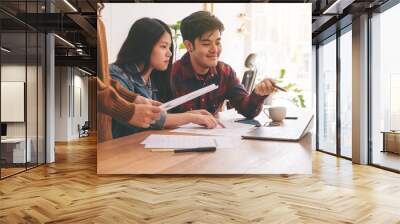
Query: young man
[{"x": 200, "y": 67}]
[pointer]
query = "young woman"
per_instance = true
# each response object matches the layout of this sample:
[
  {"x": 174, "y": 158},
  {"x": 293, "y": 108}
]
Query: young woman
[
  {"x": 143, "y": 66},
  {"x": 116, "y": 101}
]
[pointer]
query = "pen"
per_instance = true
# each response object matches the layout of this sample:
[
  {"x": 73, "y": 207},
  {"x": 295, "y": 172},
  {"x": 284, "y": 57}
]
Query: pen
[
  {"x": 199, "y": 149},
  {"x": 220, "y": 124},
  {"x": 280, "y": 88}
]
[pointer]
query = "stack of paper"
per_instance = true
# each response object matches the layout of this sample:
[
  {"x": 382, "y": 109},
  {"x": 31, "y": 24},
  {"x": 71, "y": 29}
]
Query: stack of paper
[{"x": 185, "y": 141}]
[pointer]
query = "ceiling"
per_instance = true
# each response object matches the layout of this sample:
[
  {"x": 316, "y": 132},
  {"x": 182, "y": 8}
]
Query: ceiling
[
  {"x": 75, "y": 21},
  {"x": 76, "y": 24}
]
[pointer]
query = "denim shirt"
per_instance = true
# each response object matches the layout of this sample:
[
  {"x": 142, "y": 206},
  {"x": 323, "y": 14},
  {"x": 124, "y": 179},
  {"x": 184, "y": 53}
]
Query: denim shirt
[{"x": 130, "y": 78}]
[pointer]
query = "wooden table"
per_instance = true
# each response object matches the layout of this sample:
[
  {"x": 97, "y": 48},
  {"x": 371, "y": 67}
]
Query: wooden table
[{"x": 127, "y": 156}]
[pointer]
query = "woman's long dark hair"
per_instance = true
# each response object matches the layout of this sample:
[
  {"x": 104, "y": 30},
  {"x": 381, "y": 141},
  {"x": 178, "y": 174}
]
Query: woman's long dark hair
[{"x": 137, "y": 48}]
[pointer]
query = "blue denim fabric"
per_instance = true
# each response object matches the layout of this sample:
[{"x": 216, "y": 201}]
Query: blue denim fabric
[{"x": 130, "y": 78}]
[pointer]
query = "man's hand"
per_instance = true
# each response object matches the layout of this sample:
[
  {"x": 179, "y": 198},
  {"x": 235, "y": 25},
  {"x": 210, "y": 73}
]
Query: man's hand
[
  {"x": 265, "y": 87},
  {"x": 144, "y": 115},
  {"x": 144, "y": 100},
  {"x": 205, "y": 112}
]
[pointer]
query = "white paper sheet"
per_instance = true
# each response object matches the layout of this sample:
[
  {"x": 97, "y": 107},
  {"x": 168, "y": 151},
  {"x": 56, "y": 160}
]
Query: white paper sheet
[
  {"x": 185, "y": 141},
  {"x": 232, "y": 128},
  {"x": 183, "y": 99}
]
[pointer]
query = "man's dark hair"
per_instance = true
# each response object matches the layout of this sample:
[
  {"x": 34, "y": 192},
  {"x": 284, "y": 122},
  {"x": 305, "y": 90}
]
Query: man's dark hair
[{"x": 198, "y": 23}]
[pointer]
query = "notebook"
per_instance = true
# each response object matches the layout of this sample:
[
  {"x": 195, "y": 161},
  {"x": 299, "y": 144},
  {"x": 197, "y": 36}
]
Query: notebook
[{"x": 289, "y": 130}]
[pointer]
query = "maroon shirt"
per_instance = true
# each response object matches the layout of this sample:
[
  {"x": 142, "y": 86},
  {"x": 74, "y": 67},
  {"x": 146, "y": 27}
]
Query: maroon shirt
[{"x": 184, "y": 80}]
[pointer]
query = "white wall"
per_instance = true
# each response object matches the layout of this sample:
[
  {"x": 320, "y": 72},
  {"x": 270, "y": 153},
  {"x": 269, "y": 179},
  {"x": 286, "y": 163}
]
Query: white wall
[
  {"x": 12, "y": 101},
  {"x": 281, "y": 38},
  {"x": 119, "y": 17},
  {"x": 69, "y": 85},
  {"x": 15, "y": 73},
  {"x": 61, "y": 103},
  {"x": 80, "y": 102},
  {"x": 33, "y": 127},
  {"x": 233, "y": 42},
  {"x": 50, "y": 95}
]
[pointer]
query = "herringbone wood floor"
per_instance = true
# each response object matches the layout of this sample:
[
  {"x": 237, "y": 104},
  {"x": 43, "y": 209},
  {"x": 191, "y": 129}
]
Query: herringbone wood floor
[{"x": 69, "y": 191}]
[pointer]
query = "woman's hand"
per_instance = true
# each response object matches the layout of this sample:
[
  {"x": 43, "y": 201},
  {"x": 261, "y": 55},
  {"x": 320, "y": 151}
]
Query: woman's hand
[
  {"x": 144, "y": 115},
  {"x": 205, "y": 112},
  {"x": 144, "y": 100},
  {"x": 202, "y": 111},
  {"x": 207, "y": 121}
]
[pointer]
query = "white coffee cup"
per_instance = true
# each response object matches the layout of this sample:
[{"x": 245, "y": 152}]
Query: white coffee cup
[{"x": 276, "y": 113}]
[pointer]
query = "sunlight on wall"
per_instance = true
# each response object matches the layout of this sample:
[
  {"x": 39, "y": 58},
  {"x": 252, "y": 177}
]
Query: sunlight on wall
[{"x": 281, "y": 38}]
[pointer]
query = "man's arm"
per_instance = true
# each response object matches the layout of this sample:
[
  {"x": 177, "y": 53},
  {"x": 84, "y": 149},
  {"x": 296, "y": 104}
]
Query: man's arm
[{"x": 249, "y": 105}]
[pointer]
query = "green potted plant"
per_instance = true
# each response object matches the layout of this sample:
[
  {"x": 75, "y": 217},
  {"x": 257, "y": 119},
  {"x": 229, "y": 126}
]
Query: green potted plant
[
  {"x": 297, "y": 97},
  {"x": 177, "y": 37}
]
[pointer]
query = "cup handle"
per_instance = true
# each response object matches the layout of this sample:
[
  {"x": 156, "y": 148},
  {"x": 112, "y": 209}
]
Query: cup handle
[{"x": 267, "y": 113}]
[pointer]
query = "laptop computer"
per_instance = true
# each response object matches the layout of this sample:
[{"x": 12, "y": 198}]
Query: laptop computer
[{"x": 289, "y": 130}]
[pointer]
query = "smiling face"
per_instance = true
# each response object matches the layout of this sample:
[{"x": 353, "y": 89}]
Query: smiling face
[
  {"x": 206, "y": 50},
  {"x": 161, "y": 54}
]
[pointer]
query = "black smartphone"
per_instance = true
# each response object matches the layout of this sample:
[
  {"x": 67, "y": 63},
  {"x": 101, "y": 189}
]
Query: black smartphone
[{"x": 249, "y": 121}]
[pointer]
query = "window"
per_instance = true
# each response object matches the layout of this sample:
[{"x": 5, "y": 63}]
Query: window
[
  {"x": 22, "y": 68},
  {"x": 385, "y": 85},
  {"x": 327, "y": 96},
  {"x": 346, "y": 93}
]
